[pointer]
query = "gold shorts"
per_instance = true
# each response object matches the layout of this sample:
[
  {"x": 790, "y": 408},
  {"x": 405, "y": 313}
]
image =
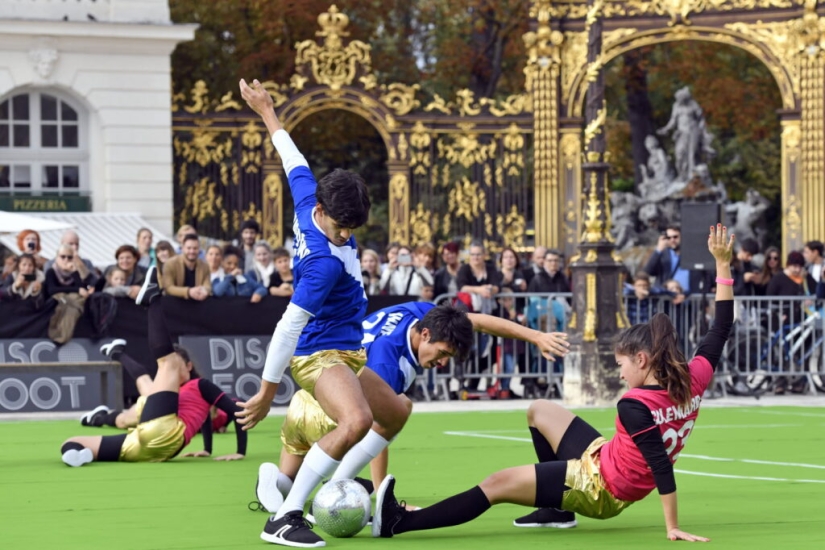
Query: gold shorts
[
  {"x": 587, "y": 494},
  {"x": 307, "y": 369},
  {"x": 157, "y": 440},
  {"x": 305, "y": 424}
]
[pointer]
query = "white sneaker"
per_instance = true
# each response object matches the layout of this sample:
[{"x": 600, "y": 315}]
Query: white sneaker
[
  {"x": 266, "y": 490},
  {"x": 88, "y": 418},
  {"x": 76, "y": 458},
  {"x": 107, "y": 349}
]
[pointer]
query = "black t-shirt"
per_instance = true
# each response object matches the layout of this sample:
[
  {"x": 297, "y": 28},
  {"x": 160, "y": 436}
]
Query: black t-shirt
[{"x": 188, "y": 277}]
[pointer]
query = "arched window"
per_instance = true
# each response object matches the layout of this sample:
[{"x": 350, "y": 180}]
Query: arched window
[{"x": 43, "y": 145}]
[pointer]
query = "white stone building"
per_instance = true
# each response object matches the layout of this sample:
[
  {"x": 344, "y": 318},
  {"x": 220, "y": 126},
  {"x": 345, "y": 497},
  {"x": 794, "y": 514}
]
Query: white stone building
[{"x": 85, "y": 121}]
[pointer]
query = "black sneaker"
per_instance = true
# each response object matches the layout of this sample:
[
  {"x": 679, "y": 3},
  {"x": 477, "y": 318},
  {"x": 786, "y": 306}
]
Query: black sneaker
[
  {"x": 113, "y": 349},
  {"x": 150, "y": 290},
  {"x": 388, "y": 511},
  {"x": 95, "y": 416},
  {"x": 291, "y": 530},
  {"x": 548, "y": 517}
]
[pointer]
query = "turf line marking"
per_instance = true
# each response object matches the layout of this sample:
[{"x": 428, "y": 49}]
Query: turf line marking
[
  {"x": 752, "y": 461},
  {"x": 812, "y": 415},
  {"x": 750, "y": 478},
  {"x": 489, "y": 436}
]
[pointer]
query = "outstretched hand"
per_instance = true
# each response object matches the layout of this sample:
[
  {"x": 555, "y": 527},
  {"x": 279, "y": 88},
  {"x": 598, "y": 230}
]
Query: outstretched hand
[
  {"x": 552, "y": 345},
  {"x": 256, "y": 97},
  {"x": 719, "y": 244},
  {"x": 676, "y": 534},
  {"x": 253, "y": 411}
]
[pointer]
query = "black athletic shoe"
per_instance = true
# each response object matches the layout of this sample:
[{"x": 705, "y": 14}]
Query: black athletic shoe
[
  {"x": 548, "y": 517},
  {"x": 150, "y": 290},
  {"x": 388, "y": 511},
  {"x": 95, "y": 416},
  {"x": 291, "y": 530}
]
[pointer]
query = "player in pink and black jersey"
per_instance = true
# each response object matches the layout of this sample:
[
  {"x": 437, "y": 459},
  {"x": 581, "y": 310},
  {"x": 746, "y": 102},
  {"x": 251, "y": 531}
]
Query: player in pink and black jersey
[
  {"x": 578, "y": 470},
  {"x": 175, "y": 408}
]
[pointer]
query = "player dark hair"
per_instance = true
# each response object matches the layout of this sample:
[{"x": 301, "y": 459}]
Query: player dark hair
[
  {"x": 450, "y": 325},
  {"x": 180, "y": 350},
  {"x": 659, "y": 340},
  {"x": 190, "y": 237},
  {"x": 750, "y": 246},
  {"x": 251, "y": 224},
  {"x": 344, "y": 198}
]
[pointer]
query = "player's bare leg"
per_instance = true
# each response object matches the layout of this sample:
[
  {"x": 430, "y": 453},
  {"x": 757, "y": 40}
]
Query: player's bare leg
[{"x": 551, "y": 419}]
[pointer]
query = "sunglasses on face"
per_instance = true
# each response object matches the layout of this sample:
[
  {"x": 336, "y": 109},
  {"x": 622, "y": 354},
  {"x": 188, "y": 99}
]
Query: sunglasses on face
[{"x": 62, "y": 257}]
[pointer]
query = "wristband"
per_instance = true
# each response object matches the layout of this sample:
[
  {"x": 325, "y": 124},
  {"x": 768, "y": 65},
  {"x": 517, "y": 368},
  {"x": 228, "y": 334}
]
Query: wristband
[{"x": 723, "y": 281}]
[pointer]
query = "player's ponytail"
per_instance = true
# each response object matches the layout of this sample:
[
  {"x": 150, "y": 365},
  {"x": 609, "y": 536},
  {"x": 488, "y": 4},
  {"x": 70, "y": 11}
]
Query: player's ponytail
[
  {"x": 667, "y": 361},
  {"x": 659, "y": 341}
]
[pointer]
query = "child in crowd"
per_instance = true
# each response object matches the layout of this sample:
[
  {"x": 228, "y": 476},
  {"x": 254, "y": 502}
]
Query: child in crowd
[
  {"x": 234, "y": 283},
  {"x": 116, "y": 283}
]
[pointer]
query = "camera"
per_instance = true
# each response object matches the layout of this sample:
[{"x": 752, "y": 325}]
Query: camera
[
  {"x": 31, "y": 245},
  {"x": 404, "y": 259},
  {"x": 31, "y": 277}
]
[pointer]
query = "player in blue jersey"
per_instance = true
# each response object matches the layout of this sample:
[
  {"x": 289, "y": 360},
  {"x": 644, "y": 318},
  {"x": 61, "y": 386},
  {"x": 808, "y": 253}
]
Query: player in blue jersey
[
  {"x": 397, "y": 340},
  {"x": 319, "y": 335}
]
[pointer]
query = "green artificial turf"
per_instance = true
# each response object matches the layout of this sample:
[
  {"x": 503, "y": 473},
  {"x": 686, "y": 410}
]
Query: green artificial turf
[{"x": 200, "y": 503}]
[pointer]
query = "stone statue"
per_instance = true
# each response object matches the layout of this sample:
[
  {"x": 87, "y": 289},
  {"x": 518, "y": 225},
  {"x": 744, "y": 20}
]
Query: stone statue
[
  {"x": 624, "y": 207},
  {"x": 691, "y": 136},
  {"x": 656, "y": 174},
  {"x": 748, "y": 219}
]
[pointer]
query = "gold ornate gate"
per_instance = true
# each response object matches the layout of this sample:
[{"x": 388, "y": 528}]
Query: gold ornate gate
[{"x": 469, "y": 168}]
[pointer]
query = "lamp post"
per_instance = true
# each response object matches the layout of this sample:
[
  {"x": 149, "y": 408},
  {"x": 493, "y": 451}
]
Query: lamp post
[{"x": 590, "y": 373}]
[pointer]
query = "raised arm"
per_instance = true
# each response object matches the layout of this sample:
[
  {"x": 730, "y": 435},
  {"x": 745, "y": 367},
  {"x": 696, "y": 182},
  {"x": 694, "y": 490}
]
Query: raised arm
[
  {"x": 551, "y": 344},
  {"x": 260, "y": 101},
  {"x": 714, "y": 341}
]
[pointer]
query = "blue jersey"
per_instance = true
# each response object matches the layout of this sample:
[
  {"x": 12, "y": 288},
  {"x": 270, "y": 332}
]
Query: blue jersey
[
  {"x": 327, "y": 278},
  {"x": 387, "y": 341}
]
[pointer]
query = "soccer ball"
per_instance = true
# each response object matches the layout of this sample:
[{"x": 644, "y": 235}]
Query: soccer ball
[{"x": 342, "y": 508}]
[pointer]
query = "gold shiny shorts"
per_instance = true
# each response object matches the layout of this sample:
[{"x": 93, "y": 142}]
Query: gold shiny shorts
[
  {"x": 587, "y": 494},
  {"x": 157, "y": 440},
  {"x": 307, "y": 369},
  {"x": 305, "y": 424}
]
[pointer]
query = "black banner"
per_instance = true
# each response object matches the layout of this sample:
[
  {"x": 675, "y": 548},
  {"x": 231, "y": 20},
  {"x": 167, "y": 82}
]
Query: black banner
[{"x": 34, "y": 388}]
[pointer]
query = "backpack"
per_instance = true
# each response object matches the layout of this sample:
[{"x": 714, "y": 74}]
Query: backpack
[{"x": 102, "y": 310}]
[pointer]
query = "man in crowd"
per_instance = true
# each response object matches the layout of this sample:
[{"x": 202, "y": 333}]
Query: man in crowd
[
  {"x": 664, "y": 262},
  {"x": 536, "y": 263},
  {"x": 551, "y": 278},
  {"x": 249, "y": 236},
  {"x": 813, "y": 253},
  {"x": 186, "y": 275},
  {"x": 83, "y": 266}
]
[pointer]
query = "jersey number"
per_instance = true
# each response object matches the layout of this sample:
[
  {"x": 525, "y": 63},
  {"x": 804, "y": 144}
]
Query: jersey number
[{"x": 675, "y": 441}]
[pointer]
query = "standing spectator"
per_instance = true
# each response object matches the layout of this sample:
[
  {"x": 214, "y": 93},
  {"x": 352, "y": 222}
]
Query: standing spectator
[
  {"x": 186, "y": 275},
  {"x": 510, "y": 271},
  {"x": 536, "y": 264},
  {"x": 770, "y": 268},
  {"x": 743, "y": 269},
  {"x": 63, "y": 277},
  {"x": 391, "y": 255},
  {"x": 181, "y": 235},
  {"x": 424, "y": 256},
  {"x": 405, "y": 279},
  {"x": 513, "y": 352},
  {"x": 551, "y": 278},
  {"x": 26, "y": 281},
  {"x": 233, "y": 282},
  {"x": 84, "y": 267},
  {"x": 163, "y": 252},
  {"x": 371, "y": 271},
  {"x": 813, "y": 251},
  {"x": 144, "y": 247},
  {"x": 28, "y": 241},
  {"x": 481, "y": 282},
  {"x": 664, "y": 262},
  {"x": 445, "y": 278},
  {"x": 127, "y": 258},
  {"x": 9, "y": 266},
  {"x": 281, "y": 280},
  {"x": 214, "y": 259},
  {"x": 250, "y": 231}
]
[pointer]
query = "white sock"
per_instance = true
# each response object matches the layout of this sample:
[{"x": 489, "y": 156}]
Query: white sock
[
  {"x": 284, "y": 484},
  {"x": 317, "y": 465},
  {"x": 360, "y": 455}
]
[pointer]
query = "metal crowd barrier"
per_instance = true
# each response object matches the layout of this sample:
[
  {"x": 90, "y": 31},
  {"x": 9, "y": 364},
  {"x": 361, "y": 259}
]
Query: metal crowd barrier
[{"x": 776, "y": 342}]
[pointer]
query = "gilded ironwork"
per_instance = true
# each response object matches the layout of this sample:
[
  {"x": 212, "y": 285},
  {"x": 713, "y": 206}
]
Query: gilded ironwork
[
  {"x": 511, "y": 228},
  {"x": 465, "y": 149},
  {"x": 466, "y": 199},
  {"x": 272, "y": 206},
  {"x": 594, "y": 128},
  {"x": 421, "y": 225},
  {"x": 400, "y": 98},
  {"x": 333, "y": 64},
  {"x": 590, "y": 309},
  {"x": 676, "y": 10},
  {"x": 399, "y": 208}
]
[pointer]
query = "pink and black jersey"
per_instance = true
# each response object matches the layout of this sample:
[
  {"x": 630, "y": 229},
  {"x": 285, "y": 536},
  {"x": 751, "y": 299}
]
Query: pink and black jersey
[
  {"x": 625, "y": 470},
  {"x": 193, "y": 408}
]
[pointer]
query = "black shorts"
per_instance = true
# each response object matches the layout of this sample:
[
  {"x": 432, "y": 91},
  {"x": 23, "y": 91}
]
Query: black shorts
[{"x": 550, "y": 476}]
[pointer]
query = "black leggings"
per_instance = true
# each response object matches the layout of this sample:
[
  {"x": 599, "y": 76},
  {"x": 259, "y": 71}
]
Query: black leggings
[
  {"x": 157, "y": 405},
  {"x": 550, "y": 476}
]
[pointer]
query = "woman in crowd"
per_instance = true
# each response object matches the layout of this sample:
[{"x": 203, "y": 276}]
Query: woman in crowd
[
  {"x": 63, "y": 277},
  {"x": 26, "y": 281},
  {"x": 127, "y": 257},
  {"x": 214, "y": 259},
  {"x": 371, "y": 271},
  {"x": 163, "y": 251},
  {"x": 445, "y": 278},
  {"x": 264, "y": 268},
  {"x": 28, "y": 241},
  {"x": 510, "y": 270},
  {"x": 772, "y": 266},
  {"x": 144, "y": 247},
  {"x": 578, "y": 470},
  {"x": 406, "y": 278}
]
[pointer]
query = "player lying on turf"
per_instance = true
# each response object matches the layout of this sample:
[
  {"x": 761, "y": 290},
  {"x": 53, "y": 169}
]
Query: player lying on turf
[
  {"x": 176, "y": 407},
  {"x": 396, "y": 339},
  {"x": 578, "y": 470},
  {"x": 128, "y": 418}
]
